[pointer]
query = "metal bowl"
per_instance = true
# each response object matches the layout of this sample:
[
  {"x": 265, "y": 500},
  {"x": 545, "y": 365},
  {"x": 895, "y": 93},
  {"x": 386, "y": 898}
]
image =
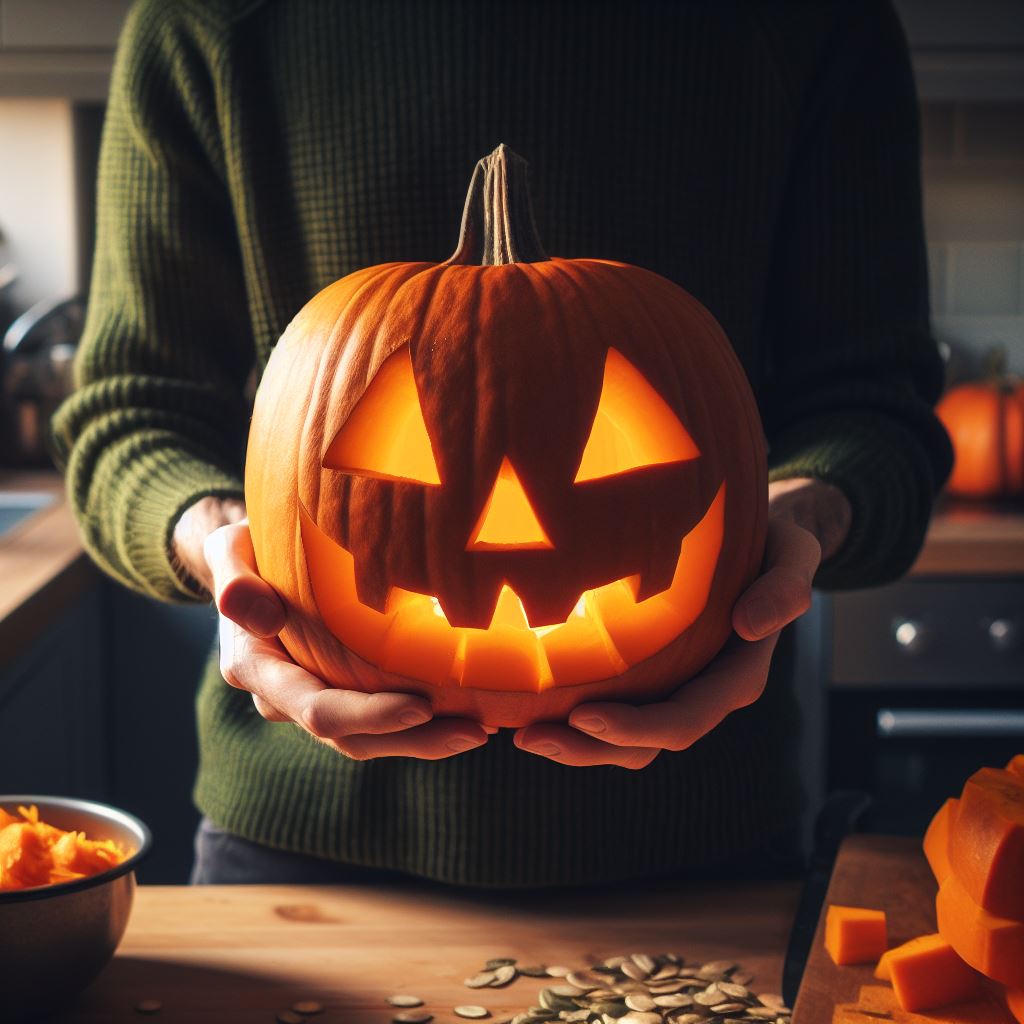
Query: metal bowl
[{"x": 55, "y": 939}]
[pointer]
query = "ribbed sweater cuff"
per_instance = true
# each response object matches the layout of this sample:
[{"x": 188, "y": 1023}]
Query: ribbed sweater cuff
[
  {"x": 883, "y": 471},
  {"x": 162, "y": 489}
]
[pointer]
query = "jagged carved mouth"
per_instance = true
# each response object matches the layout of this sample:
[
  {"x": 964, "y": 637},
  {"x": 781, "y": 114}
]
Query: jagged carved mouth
[{"x": 607, "y": 632}]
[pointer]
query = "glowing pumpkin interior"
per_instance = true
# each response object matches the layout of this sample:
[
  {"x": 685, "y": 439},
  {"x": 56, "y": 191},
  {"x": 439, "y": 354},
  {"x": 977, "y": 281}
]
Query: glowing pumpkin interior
[{"x": 609, "y": 629}]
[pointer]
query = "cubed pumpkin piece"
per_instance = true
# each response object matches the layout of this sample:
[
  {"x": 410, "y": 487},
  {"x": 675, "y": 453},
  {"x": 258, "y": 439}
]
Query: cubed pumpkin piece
[
  {"x": 854, "y": 935},
  {"x": 884, "y": 969},
  {"x": 990, "y": 944},
  {"x": 927, "y": 973},
  {"x": 1015, "y": 1001},
  {"x": 877, "y": 1004},
  {"x": 1016, "y": 765},
  {"x": 936, "y": 839},
  {"x": 986, "y": 848}
]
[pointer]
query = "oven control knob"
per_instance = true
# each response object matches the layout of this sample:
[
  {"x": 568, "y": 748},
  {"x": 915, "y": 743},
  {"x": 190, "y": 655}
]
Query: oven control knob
[
  {"x": 909, "y": 635},
  {"x": 1002, "y": 634}
]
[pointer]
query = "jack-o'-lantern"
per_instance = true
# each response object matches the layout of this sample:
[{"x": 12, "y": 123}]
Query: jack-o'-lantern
[{"x": 507, "y": 482}]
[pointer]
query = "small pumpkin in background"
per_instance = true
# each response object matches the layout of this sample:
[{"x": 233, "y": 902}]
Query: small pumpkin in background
[
  {"x": 507, "y": 482},
  {"x": 985, "y": 422}
]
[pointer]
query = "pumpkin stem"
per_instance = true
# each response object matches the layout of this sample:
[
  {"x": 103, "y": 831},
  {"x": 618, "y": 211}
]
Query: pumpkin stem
[{"x": 497, "y": 222}]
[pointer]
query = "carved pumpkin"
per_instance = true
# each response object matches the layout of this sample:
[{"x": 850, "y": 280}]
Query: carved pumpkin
[
  {"x": 507, "y": 482},
  {"x": 985, "y": 422}
]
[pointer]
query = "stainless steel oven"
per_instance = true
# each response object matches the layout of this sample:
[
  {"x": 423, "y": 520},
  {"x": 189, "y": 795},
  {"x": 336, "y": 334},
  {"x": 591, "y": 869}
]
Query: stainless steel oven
[{"x": 925, "y": 686}]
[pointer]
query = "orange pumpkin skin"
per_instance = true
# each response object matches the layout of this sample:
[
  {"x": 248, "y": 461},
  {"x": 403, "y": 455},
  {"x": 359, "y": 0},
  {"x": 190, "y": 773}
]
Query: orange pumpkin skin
[
  {"x": 509, "y": 362},
  {"x": 985, "y": 422}
]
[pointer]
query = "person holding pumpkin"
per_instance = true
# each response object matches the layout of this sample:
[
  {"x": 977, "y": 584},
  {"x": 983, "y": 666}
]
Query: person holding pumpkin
[{"x": 764, "y": 158}]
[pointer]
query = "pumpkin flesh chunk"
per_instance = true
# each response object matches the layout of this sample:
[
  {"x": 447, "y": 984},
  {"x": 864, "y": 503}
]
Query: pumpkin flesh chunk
[
  {"x": 927, "y": 973},
  {"x": 608, "y": 630},
  {"x": 1016, "y": 766},
  {"x": 854, "y": 935},
  {"x": 987, "y": 848},
  {"x": 936, "y": 839},
  {"x": 990, "y": 944}
]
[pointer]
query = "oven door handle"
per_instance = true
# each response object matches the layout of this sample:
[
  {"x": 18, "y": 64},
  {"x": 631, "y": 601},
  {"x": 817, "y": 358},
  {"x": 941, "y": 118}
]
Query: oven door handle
[{"x": 965, "y": 723}]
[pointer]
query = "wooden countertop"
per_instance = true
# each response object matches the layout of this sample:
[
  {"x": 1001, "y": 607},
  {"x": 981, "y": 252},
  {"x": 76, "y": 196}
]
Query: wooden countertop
[
  {"x": 42, "y": 563},
  {"x": 886, "y": 873},
  {"x": 230, "y": 954},
  {"x": 973, "y": 539}
]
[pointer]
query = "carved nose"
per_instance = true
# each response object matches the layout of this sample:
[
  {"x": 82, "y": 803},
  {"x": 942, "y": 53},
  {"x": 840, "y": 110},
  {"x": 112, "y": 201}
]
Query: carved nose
[{"x": 508, "y": 522}]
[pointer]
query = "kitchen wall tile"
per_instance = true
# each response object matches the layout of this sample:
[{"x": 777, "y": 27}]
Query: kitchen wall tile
[
  {"x": 993, "y": 131},
  {"x": 984, "y": 278},
  {"x": 974, "y": 201},
  {"x": 936, "y": 130}
]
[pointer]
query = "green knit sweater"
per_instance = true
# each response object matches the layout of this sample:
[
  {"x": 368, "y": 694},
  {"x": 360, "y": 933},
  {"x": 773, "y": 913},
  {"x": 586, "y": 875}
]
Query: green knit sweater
[{"x": 764, "y": 156}]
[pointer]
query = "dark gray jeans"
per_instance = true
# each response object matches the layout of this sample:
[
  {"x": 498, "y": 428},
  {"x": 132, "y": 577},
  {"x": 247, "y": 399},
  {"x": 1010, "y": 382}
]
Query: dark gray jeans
[{"x": 223, "y": 858}]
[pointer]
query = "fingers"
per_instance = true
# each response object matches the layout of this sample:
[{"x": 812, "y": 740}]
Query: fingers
[
  {"x": 443, "y": 737},
  {"x": 631, "y": 737},
  {"x": 783, "y": 592},
  {"x": 567, "y": 746},
  {"x": 238, "y": 590},
  {"x": 360, "y": 725},
  {"x": 262, "y": 667}
]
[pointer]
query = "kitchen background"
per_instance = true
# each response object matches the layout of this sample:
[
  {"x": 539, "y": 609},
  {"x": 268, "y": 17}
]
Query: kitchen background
[{"x": 906, "y": 689}]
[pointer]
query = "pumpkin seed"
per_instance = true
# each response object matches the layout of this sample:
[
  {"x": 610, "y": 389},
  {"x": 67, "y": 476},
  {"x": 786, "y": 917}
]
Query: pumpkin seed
[
  {"x": 633, "y": 970},
  {"x": 502, "y": 976},
  {"x": 644, "y": 962},
  {"x": 289, "y": 1017},
  {"x": 640, "y": 1018},
  {"x": 480, "y": 980},
  {"x": 762, "y": 1012},
  {"x": 558, "y": 971},
  {"x": 500, "y": 961},
  {"x": 728, "y": 1007},
  {"x": 472, "y": 1012},
  {"x": 584, "y": 980},
  {"x": 412, "y": 1017},
  {"x": 639, "y": 1001},
  {"x": 773, "y": 1000},
  {"x": 678, "y": 999},
  {"x": 733, "y": 990},
  {"x": 709, "y": 997},
  {"x": 534, "y": 971},
  {"x": 402, "y": 1000}
]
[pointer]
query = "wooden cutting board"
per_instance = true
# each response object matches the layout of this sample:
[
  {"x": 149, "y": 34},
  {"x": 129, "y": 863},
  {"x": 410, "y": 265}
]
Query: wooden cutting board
[
  {"x": 230, "y": 954},
  {"x": 883, "y": 873}
]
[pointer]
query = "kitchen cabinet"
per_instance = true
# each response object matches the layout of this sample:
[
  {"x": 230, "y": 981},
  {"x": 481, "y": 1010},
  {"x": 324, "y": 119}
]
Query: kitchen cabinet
[
  {"x": 52, "y": 707},
  {"x": 926, "y": 686}
]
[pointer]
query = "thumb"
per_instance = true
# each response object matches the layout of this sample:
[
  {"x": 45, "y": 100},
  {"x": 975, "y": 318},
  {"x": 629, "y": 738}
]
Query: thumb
[{"x": 239, "y": 592}]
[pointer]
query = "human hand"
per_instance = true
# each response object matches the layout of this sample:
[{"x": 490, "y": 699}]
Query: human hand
[
  {"x": 807, "y": 521},
  {"x": 212, "y": 542}
]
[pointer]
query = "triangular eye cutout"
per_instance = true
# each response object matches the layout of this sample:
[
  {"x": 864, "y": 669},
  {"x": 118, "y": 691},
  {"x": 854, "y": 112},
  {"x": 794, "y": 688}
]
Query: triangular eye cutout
[
  {"x": 508, "y": 522},
  {"x": 385, "y": 435},
  {"x": 633, "y": 426}
]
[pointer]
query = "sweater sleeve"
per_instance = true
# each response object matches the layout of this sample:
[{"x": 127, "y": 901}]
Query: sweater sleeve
[
  {"x": 853, "y": 370},
  {"x": 158, "y": 418}
]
